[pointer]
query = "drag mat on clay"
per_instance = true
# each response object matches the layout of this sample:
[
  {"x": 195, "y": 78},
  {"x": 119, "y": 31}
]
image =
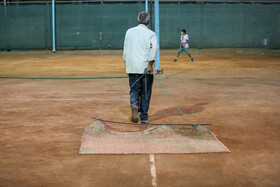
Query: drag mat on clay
[{"x": 100, "y": 138}]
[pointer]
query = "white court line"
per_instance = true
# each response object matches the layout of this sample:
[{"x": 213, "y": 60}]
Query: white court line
[{"x": 153, "y": 170}]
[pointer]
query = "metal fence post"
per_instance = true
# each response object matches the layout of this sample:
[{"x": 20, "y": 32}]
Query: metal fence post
[
  {"x": 157, "y": 33},
  {"x": 53, "y": 25}
]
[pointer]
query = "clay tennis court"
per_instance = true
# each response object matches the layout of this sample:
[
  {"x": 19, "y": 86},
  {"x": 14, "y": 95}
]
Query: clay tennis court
[{"x": 42, "y": 121}]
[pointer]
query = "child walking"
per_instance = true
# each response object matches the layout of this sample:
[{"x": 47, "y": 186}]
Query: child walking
[{"x": 184, "y": 47}]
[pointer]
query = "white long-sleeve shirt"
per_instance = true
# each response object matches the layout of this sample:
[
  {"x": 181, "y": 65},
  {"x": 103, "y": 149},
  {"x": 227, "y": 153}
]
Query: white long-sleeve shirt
[{"x": 140, "y": 47}]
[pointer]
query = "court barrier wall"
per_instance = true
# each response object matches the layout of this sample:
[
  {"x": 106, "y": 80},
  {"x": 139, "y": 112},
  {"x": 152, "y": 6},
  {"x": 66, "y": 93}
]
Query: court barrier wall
[{"x": 94, "y": 26}]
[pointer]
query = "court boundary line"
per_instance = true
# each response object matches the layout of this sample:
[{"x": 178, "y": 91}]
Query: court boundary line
[{"x": 153, "y": 170}]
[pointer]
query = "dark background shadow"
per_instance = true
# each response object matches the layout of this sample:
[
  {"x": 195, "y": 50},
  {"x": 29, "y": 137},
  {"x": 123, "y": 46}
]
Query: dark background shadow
[{"x": 174, "y": 111}]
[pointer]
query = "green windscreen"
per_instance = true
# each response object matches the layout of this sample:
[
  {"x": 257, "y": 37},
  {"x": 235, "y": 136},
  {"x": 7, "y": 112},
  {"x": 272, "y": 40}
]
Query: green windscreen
[{"x": 94, "y": 26}]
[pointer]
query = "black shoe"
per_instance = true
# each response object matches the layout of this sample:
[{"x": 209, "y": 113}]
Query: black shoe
[
  {"x": 192, "y": 59},
  {"x": 134, "y": 114}
]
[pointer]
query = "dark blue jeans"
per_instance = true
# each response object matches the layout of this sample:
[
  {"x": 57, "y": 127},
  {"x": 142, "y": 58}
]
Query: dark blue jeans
[{"x": 138, "y": 94}]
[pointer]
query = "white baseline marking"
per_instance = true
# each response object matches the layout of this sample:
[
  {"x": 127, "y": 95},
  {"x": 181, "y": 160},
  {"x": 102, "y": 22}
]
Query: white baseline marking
[{"x": 153, "y": 170}]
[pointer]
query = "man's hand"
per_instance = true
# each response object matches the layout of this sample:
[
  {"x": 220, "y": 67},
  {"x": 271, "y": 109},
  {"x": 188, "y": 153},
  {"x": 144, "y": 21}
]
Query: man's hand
[{"x": 150, "y": 69}]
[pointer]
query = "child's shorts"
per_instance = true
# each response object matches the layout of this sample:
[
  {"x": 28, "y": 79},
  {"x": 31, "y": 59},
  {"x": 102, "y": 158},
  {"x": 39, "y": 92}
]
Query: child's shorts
[{"x": 182, "y": 49}]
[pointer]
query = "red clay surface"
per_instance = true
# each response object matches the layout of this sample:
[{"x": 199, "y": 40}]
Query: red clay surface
[{"x": 42, "y": 121}]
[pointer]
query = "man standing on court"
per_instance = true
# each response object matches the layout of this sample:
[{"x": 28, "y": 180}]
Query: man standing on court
[{"x": 139, "y": 54}]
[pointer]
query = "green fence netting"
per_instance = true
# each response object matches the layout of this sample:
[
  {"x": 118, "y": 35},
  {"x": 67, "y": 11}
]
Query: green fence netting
[{"x": 96, "y": 26}]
